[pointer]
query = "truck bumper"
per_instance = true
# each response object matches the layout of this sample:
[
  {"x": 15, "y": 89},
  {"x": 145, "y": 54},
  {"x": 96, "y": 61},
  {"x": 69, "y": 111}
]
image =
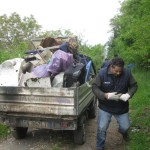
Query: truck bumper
[{"x": 54, "y": 124}]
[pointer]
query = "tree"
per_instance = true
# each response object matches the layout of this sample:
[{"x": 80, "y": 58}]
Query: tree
[
  {"x": 16, "y": 34},
  {"x": 95, "y": 52},
  {"x": 131, "y": 33},
  {"x": 14, "y": 30}
]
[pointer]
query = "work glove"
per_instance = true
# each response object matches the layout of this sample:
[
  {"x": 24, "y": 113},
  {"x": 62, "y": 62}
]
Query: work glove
[
  {"x": 125, "y": 97},
  {"x": 114, "y": 96}
]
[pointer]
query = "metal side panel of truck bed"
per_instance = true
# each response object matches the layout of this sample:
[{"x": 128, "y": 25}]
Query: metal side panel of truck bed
[{"x": 29, "y": 106}]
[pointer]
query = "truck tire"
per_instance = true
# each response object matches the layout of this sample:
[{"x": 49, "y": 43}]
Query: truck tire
[
  {"x": 19, "y": 132},
  {"x": 79, "y": 134},
  {"x": 93, "y": 108}
]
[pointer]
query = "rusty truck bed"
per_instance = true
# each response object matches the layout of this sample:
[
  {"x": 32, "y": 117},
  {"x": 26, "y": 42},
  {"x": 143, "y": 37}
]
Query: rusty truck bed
[{"x": 43, "y": 107}]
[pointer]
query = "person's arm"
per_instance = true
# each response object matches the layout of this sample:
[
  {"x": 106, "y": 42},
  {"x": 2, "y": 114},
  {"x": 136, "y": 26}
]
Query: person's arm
[
  {"x": 132, "y": 89},
  {"x": 102, "y": 65},
  {"x": 132, "y": 86},
  {"x": 96, "y": 88}
]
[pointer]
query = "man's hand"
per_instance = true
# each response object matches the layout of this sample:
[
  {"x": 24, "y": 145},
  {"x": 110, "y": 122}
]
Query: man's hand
[
  {"x": 113, "y": 96},
  {"x": 125, "y": 97}
]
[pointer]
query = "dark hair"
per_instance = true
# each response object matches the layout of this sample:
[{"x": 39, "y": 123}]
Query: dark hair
[
  {"x": 117, "y": 62},
  {"x": 106, "y": 58},
  {"x": 115, "y": 55}
]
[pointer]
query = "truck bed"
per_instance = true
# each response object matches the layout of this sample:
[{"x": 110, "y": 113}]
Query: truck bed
[{"x": 30, "y": 106}]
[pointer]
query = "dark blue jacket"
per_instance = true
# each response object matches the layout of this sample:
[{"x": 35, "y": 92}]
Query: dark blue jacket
[
  {"x": 110, "y": 83},
  {"x": 64, "y": 47},
  {"x": 105, "y": 63},
  {"x": 106, "y": 82}
]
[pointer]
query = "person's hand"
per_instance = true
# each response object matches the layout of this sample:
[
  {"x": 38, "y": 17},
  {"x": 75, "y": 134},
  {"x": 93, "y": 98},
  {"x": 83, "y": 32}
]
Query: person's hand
[
  {"x": 113, "y": 96},
  {"x": 125, "y": 97}
]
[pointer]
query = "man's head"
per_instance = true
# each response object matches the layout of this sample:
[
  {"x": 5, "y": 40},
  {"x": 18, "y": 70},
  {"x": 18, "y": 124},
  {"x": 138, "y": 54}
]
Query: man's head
[
  {"x": 116, "y": 66},
  {"x": 106, "y": 59},
  {"x": 115, "y": 55}
]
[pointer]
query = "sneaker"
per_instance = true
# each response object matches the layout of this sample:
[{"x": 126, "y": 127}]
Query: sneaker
[{"x": 125, "y": 136}]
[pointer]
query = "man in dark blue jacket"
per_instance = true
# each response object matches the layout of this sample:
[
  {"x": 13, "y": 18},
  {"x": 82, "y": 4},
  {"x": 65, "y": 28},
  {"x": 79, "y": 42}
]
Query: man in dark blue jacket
[{"x": 114, "y": 86}]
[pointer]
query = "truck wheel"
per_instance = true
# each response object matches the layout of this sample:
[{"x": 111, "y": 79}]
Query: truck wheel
[
  {"x": 93, "y": 108},
  {"x": 79, "y": 134},
  {"x": 19, "y": 132}
]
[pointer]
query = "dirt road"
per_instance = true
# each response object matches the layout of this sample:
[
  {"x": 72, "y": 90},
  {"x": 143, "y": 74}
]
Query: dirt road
[{"x": 50, "y": 140}]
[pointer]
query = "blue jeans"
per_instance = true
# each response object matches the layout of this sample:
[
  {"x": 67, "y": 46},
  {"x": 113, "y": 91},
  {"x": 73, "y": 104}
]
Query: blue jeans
[{"x": 104, "y": 119}]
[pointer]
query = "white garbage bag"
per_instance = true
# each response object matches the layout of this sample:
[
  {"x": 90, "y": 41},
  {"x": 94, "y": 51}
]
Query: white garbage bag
[{"x": 10, "y": 72}]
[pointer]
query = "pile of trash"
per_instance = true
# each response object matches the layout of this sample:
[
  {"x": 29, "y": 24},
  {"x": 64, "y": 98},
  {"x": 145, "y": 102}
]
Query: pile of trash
[
  {"x": 49, "y": 65},
  {"x": 10, "y": 72}
]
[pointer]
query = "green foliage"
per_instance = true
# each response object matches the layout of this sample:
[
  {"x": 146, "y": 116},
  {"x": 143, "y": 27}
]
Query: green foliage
[
  {"x": 141, "y": 142},
  {"x": 4, "y": 131},
  {"x": 19, "y": 52},
  {"x": 95, "y": 52},
  {"x": 56, "y": 33},
  {"x": 4, "y": 55},
  {"x": 140, "y": 113},
  {"x": 131, "y": 33},
  {"x": 14, "y": 30},
  {"x": 55, "y": 148},
  {"x": 16, "y": 34}
]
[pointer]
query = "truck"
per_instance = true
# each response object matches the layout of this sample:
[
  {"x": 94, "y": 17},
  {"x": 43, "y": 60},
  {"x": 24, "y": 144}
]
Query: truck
[{"x": 52, "y": 108}]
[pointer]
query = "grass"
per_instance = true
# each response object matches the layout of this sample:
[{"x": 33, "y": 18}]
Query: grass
[
  {"x": 4, "y": 131},
  {"x": 140, "y": 113}
]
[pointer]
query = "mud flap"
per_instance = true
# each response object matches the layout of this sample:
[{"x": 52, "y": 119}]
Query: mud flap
[
  {"x": 19, "y": 132},
  {"x": 93, "y": 108}
]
